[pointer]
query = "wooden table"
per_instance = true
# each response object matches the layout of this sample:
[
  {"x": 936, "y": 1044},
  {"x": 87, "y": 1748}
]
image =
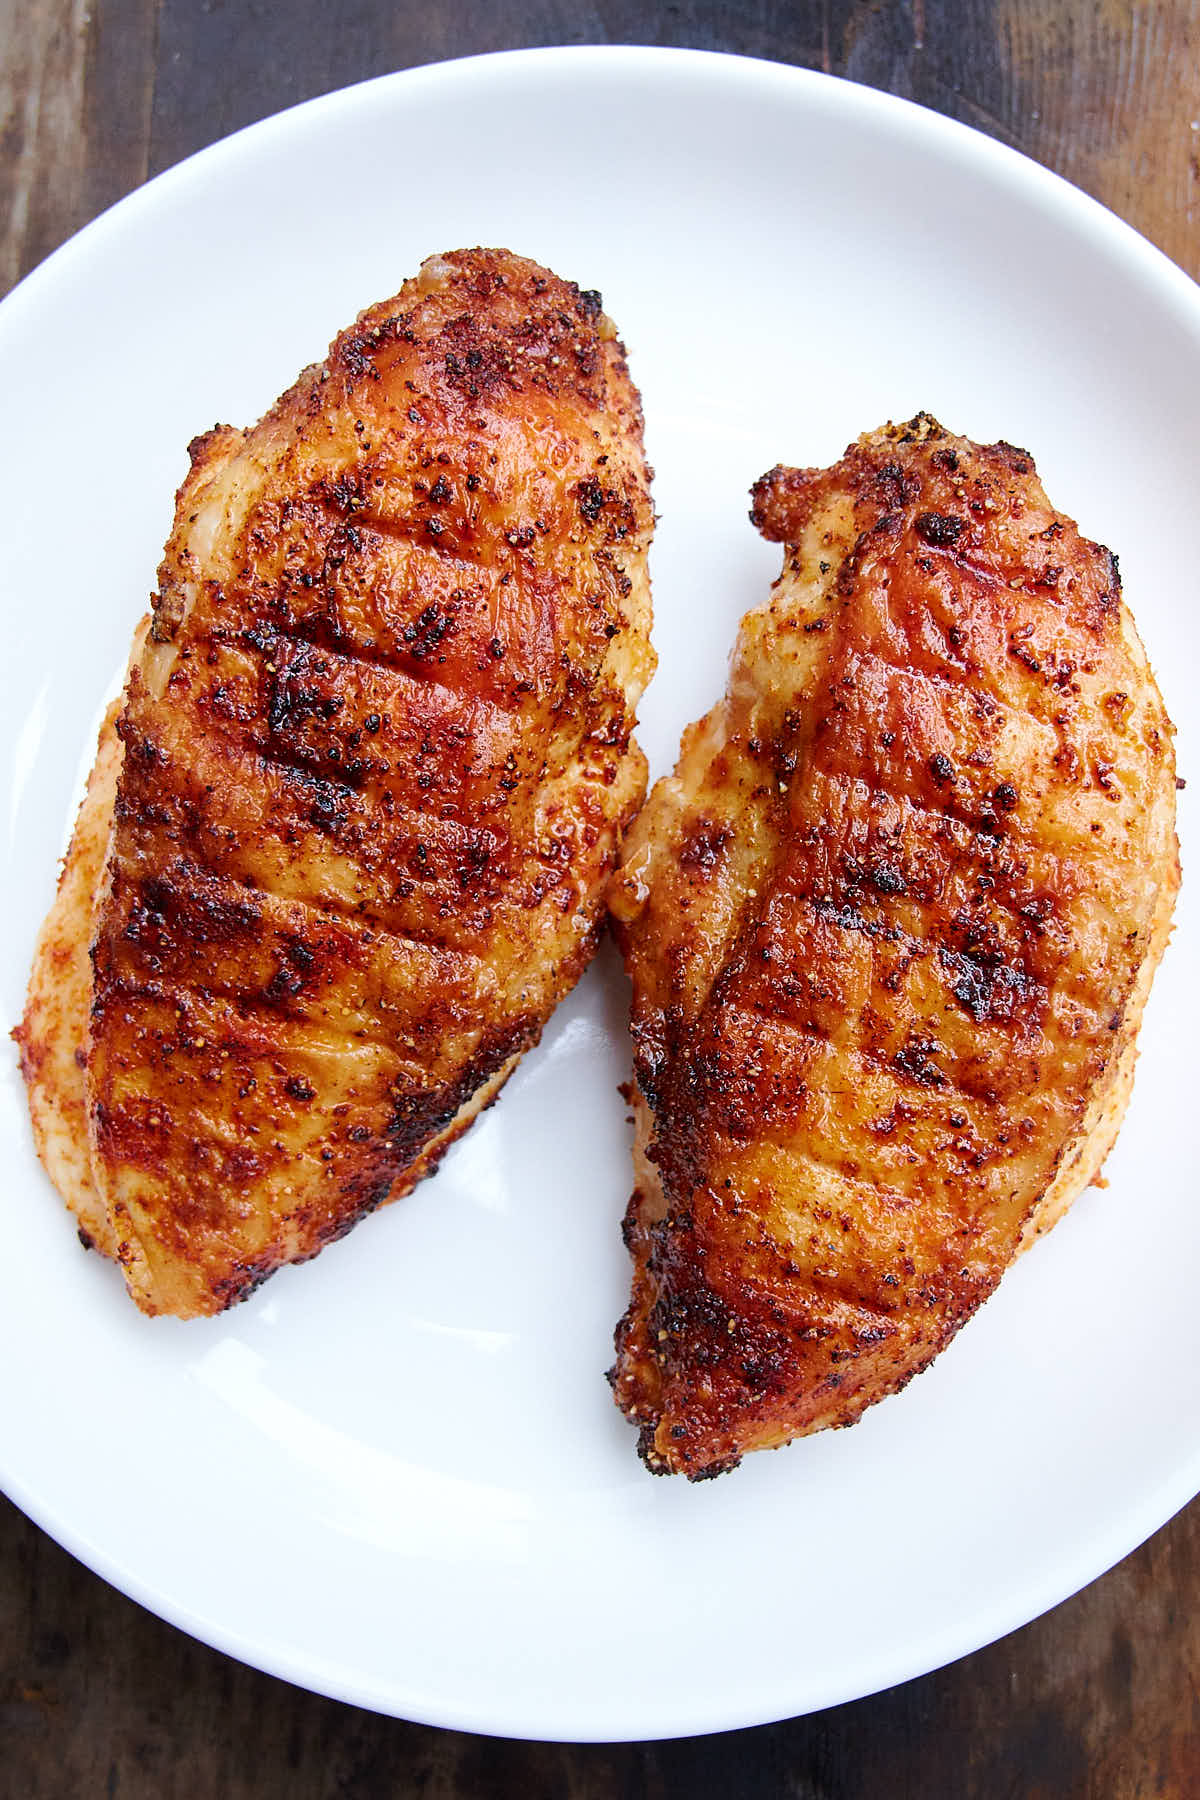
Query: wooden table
[{"x": 1102, "y": 1696}]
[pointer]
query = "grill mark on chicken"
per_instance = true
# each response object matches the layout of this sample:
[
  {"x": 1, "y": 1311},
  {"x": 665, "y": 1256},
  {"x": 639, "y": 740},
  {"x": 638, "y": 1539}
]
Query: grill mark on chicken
[
  {"x": 302, "y": 636},
  {"x": 978, "y": 797},
  {"x": 987, "y": 985},
  {"x": 423, "y": 630},
  {"x": 896, "y": 1176},
  {"x": 381, "y": 840},
  {"x": 187, "y": 1020},
  {"x": 764, "y": 1100},
  {"x": 331, "y": 907},
  {"x": 356, "y": 653},
  {"x": 478, "y": 744},
  {"x": 336, "y": 805},
  {"x": 832, "y": 1271},
  {"x": 1030, "y": 894},
  {"x": 919, "y": 963},
  {"x": 428, "y": 540},
  {"x": 458, "y": 742},
  {"x": 245, "y": 1028},
  {"x": 992, "y": 982},
  {"x": 221, "y": 937},
  {"x": 421, "y": 885},
  {"x": 429, "y": 534},
  {"x": 363, "y": 660}
]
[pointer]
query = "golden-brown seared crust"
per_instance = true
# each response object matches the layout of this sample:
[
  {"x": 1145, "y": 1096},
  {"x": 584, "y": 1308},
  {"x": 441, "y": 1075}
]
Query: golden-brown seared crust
[
  {"x": 377, "y": 759},
  {"x": 52, "y": 1032},
  {"x": 890, "y": 926}
]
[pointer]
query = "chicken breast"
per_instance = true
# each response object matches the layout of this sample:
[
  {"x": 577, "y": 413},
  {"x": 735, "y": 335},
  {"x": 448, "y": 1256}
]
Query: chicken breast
[
  {"x": 374, "y": 763},
  {"x": 890, "y": 927}
]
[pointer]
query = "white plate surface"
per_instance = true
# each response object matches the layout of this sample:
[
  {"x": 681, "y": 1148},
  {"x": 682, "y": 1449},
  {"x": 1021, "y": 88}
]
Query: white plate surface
[{"x": 396, "y": 1474}]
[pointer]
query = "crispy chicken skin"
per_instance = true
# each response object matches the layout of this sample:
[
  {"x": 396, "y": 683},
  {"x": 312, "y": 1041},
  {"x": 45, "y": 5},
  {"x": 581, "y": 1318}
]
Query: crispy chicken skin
[
  {"x": 375, "y": 760},
  {"x": 890, "y": 927}
]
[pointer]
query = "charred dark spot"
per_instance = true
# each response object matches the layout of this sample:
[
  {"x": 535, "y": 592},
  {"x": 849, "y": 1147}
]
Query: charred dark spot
[
  {"x": 894, "y": 487},
  {"x": 1111, "y": 598},
  {"x": 1037, "y": 911},
  {"x": 987, "y": 988},
  {"x": 137, "y": 748},
  {"x": 477, "y": 856},
  {"x": 284, "y": 984},
  {"x": 703, "y": 846},
  {"x": 886, "y": 878},
  {"x": 419, "y": 1116},
  {"x": 591, "y": 498},
  {"x": 915, "y": 1059},
  {"x": 246, "y": 1277},
  {"x": 1019, "y": 461},
  {"x": 298, "y": 1088},
  {"x": 424, "y": 634},
  {"x": 344, "y": 493},
  {"x": 867, "y": 1336},
  {"x": 357, "y": 349},
  {"x": 329, "y": 804},
  {"x": 939, "y": 529},
  {"x": 290, "y": 704},
  {"x": 941, "y": 768},
  {"x": 184, "y": 908},
  {"x": 850, "y": 919}
]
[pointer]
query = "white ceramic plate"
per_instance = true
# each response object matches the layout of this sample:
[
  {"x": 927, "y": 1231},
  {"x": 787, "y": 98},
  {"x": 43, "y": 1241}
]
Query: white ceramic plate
[{"x": 396, "y": 1475}]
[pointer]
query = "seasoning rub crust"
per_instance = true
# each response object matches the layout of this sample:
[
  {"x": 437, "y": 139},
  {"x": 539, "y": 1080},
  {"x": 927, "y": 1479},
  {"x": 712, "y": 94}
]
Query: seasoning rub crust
[
  {"x": 890, "y": 926},
  {"x": 373, "y": 765}
]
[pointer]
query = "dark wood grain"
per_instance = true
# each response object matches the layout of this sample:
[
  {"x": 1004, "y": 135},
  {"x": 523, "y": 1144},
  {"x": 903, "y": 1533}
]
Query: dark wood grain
[
  {"x": 92, "y": 99},
  {"x": 75, "y": 91},
  {"x": 1100, "y": 1700}
]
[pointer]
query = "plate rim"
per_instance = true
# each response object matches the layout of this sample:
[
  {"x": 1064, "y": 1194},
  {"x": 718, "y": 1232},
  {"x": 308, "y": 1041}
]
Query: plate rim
[
  {"x": 919, "y": 118},
  {"x": 1177, "y": 290}
]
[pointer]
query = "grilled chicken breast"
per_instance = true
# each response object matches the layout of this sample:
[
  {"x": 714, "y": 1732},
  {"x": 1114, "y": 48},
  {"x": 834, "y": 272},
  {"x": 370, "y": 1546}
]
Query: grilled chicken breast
[
  {"x": 374, "y": 762},
  {"x": 890, "y": 927}
]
